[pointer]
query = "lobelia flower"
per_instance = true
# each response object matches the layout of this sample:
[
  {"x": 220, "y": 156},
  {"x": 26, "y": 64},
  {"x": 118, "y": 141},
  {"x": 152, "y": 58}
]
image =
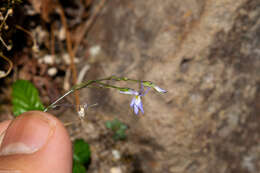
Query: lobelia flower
[{"x": 136, "y": 102}]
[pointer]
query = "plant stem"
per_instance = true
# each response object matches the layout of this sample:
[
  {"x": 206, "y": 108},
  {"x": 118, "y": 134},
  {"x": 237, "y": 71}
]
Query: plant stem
[{"x": 89, "y": 84}]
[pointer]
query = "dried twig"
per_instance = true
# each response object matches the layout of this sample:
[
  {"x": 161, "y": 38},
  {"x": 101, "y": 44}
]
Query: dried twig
[
  {"x": 52, "y": 41},
  {"x": 5, "y": 45},
  {"x": 35, "y": 46},
  {"x": 71, "y": 53},
  {"x": 72, "y": 122},
  {"x": 4, "y": 74},
  {"x": 82, "y": 73},
  {"x": 87, "y": 25},
  {"x": 9, "y": 12}
]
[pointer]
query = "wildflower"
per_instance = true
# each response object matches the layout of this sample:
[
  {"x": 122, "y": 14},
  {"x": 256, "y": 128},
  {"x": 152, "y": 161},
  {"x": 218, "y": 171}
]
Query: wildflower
[{"x": 136, "y": 102}]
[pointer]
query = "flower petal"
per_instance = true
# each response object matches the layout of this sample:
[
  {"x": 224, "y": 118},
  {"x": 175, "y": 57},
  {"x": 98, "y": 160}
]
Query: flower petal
[
  {"x": 140, "y": 106},
  {"x": 138, "y": 100},
  {"x": 129, "y": 91},
  {"x": 136, "y": 110},
  {"x": 132, "y": 102},
  {"x": 160, "y": 90}
]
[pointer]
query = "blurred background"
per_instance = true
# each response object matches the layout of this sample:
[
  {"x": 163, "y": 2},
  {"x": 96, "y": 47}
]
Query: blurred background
[{"x": 205, "y": 53}]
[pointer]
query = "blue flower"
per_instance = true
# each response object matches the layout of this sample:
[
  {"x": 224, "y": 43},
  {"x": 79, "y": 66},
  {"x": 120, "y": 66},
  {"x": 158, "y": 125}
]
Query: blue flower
[{"x": 136, "y": 102}]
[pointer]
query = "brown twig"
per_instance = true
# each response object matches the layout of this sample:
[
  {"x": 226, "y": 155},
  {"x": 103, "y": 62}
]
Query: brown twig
[
  {"x": 52, "y": 41},
  {"x": 87, "y": 25},
  {"x": 71, "y": 53},
  {"x": 10, "y": 65},
  {"x": 9, "y": 12},
  {"x": 5, "y": 45},
  {"x": 35, "y": 46},
  {"x": 70, "y": 123}
]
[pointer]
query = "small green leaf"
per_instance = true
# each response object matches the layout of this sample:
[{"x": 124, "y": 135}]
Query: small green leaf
[
  {"x": 78, "y": 168},
  {"x": 81, "y": 151},
  {"x": 120, "y": 135},
  {"x": 123, "y": 127},
  {"x": 25, "y": 97},
  {"x": 118, "y": 128},
  {"x": 109, "y": 125}
]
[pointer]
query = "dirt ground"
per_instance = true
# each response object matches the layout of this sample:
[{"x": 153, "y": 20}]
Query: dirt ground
[{"x": 205, "y": 53}]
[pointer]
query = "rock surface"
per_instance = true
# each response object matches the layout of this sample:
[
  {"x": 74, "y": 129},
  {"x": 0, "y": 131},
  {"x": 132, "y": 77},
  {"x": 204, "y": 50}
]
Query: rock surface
[{"x": 207, "y": 55}]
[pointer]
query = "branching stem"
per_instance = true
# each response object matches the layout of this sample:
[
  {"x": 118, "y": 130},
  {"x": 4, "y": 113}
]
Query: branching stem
[{"x": 100, "y": 82}]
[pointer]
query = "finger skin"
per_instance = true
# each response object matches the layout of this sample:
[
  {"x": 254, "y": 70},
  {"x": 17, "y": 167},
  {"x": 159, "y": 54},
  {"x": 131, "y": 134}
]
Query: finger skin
[
  {"x": 54, "y": 157},
  {"x": 4, "y": 125}
]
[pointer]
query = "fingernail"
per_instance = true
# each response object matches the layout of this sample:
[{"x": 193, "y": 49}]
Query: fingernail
[{"x": 27, "y": 134}]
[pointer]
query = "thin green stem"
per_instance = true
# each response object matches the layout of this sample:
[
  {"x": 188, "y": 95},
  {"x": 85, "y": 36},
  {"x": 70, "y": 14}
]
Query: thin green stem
[
  {"x": 59, "y": 99},
  {"x": 89, "y": 84}
]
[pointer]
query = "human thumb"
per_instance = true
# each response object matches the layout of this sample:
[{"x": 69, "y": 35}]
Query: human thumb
[{"x": 35, "y": 142}]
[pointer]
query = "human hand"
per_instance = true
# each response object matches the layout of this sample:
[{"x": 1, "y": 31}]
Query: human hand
[{"x": 34, "y": 142}]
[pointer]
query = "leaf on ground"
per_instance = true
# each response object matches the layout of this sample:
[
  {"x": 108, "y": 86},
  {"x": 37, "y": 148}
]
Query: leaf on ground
[
  {"x": 81, "y": 151},
  {"x": 118, "y": 128},
  {"x": 25, "y": 97}
]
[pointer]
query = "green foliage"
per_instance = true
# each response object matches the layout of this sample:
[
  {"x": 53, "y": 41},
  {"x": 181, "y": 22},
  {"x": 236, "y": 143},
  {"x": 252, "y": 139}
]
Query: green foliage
[
  {"x": 118, "y": 129},
  {"x": 81, "y": 155},
  {"x": 78, "y": 168},
  {"x": 25, "y": 97}
]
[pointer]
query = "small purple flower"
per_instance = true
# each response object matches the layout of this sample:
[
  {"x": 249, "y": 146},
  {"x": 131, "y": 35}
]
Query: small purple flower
[{"x": 136, "y": 102}]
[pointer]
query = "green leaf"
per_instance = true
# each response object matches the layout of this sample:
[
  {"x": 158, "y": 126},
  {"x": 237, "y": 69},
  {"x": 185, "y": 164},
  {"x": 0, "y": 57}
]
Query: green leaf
[
  {"x": 118, "y": 128},
  {"x": 25, "y": 97},
  {"x": 78, "y": 168},
  {"x": 120, "y": 135},
  {"x": 81, "y": 151},
  {"x": 108, "y": 125},
  {"x": 123, "y": 127}
]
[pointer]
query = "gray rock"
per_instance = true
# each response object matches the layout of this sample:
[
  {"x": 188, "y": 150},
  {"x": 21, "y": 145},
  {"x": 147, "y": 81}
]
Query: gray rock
[{"x": 207, "y": 55}]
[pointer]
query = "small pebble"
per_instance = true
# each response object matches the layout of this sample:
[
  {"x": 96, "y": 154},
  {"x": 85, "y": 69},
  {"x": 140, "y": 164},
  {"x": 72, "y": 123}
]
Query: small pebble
[
  {"x": 94, "y": 50},
  {"x": 116, "y": 154},
  {"x": 115, "y": 170},
  {"x": 48, "y": 59},
  {"x": 52, "y": 71},
  {"x": 66, "y": 58}
]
